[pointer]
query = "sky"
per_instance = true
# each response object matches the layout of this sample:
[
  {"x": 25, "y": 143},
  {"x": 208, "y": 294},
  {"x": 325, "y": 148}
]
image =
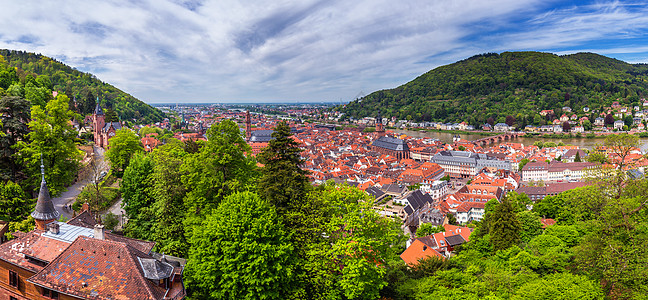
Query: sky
[{"x": 304, "y": 51}]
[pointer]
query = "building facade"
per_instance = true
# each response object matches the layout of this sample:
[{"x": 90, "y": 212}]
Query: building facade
[
  {"x": 463, "y": 164},
  {"x": 391, "y": 146},
  {"x": 103, "y": 131},
  {"x": 558, "y": 171}
]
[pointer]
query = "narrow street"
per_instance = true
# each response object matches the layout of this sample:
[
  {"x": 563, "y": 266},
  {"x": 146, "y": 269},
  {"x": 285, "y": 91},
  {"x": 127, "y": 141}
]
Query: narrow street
[{"x": 68, "y": 197}]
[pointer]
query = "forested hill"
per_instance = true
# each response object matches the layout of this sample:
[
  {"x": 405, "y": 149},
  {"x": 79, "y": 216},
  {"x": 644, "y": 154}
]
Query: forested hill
[
  {"x": 56, "y": 76},
  {"x": 520, "y": 84}
]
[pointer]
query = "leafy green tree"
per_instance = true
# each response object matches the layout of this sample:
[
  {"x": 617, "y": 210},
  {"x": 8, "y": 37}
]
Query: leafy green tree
[
  {"x": 242, "y": 251},
  {"x": 169, "y": 192},
  {"x": 220, "y": 168},
  {"x": 137, "y": 189},
  {"x": 614, "y": 250},
  {"x": 427, "y": 229},
  {"x": 37, "y": 95},
  {"x": 577, "y": 158},
  {"x": 452, "y": 220},
  {"x": 147, "y": 130},
  {"x": 14, "y": 204},
  {"x": 282, "y": 180},
  {"x": 596, "y": 156},
  {"x": 569, "y": 234},
  {"x": 522, "y": 163},
  {"x": 14, "y": 116},
  {"x": 572, "y": 206},
  {"x": 52, "y": 136},
  {"x": 504, "y": 226},
  {"x": 346, "y": 262},
  {"x": 530, "y": 225},
  {"x": 549, "y": 144},
  {"x": 561, "y": 286},
  {"x": 621, "y": 145},
  {"x": 16, "y": 90},
  {"x": 121, "y": 149}
]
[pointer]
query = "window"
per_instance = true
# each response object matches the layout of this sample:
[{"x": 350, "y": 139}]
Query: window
[
  {"x": 50, "y": 294},
  {"x": 13, "y": 279},
  {"x": 12, "y": 298}
]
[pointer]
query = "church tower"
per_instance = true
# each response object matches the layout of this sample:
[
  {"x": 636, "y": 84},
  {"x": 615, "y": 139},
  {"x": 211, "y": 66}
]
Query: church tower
[
  {"x": 380, "y": 128},
  {"x": 98, "y": 121},
  {"x": 248, "y": 126},
  {"x": 44, "y": 212}
]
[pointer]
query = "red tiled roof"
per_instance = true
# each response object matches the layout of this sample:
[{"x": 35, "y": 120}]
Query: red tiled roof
[
  {"x": 417, "y": 251},
  {"x": 99, "y": 269}
]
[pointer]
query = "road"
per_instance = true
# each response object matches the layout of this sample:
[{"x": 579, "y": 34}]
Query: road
[{"x": 68, "y": 197}]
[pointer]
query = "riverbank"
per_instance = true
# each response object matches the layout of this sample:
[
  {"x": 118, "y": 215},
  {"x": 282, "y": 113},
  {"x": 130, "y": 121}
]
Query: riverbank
[{"x": 474, "y": 132}]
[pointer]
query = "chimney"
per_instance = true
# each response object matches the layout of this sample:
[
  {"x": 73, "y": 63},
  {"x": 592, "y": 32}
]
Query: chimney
[
  {"x": 85, "y": 206},
  {"x": 53, "y": 228},
  {"x": 99, "y": 232}
]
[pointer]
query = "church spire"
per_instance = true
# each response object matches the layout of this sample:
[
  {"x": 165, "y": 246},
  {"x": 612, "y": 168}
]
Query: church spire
[{"x": 44, "y": 212}]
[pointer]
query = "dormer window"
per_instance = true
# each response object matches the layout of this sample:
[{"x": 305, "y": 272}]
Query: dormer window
[{"x": 49, "y": 293}]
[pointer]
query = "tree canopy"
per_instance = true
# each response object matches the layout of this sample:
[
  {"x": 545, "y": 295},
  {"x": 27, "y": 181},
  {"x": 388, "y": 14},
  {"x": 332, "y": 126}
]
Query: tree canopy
[
  {"x": 241, "y": 251},
  {"x": 52, "y": 136},
  {"x": 121, "y": 149}
]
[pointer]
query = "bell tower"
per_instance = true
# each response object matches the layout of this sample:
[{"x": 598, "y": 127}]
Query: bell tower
[
  {"x": 380, "y": 128},
  {"x": 98, "y": 121}
]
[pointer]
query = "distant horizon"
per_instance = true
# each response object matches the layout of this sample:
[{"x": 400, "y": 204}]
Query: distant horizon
[{"x": 243, "y": 103}]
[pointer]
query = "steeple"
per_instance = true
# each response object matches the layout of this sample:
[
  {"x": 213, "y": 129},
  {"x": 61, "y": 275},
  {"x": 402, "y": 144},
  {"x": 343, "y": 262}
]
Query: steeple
[
  {"x": 98, "y": 110},
  {"x": 44, "y": 212},
  {"x": 380, "y": 129},
  {"x": 248, "y": 126}
]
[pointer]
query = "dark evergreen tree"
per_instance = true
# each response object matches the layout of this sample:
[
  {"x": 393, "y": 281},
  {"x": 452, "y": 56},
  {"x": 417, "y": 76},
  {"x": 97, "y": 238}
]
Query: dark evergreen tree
[
  {"x": 87, "y": 102},
  {"x": 283, "y": 183},
  {"x": 14, "y": 116},
  {"x": 577, "y": 158},
  {"x": 504, "y": 226},
  {"x": 111, "y": 115}
]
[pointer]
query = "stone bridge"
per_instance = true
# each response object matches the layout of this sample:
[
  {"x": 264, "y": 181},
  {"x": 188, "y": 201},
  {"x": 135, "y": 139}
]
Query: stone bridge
[{"x": 494, "y": 139}]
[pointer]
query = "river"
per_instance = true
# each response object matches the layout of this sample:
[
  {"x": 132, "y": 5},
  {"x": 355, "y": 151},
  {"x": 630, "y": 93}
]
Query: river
[{"x": 446, "y": 137}]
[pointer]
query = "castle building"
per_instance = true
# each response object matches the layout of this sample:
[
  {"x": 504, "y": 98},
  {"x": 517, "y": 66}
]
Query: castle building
[
  {"x": 78, "y": 259},
  {"x": 103, "y": 131}
]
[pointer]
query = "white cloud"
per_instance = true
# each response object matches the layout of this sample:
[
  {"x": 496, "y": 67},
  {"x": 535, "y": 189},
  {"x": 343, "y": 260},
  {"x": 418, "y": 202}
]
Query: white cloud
[{"x": 291, "y": 50}]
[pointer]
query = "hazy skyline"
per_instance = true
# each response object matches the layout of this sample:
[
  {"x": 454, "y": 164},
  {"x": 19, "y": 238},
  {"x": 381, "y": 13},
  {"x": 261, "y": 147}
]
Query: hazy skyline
[{"x": 304, "y": 51}]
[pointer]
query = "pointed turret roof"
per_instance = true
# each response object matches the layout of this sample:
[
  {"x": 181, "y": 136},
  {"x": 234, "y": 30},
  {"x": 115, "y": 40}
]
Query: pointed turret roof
[
  {"x": 44, "y": 209},
  {"x": 98, "y": 110}
]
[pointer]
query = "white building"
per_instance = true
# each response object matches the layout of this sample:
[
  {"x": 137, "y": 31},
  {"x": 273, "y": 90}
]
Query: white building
[
  {"x": 436, "y": 189},
  {"x": 555, "y": 171}
]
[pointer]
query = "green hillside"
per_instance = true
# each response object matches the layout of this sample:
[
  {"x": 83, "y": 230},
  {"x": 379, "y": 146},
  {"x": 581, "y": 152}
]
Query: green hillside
[
  {"x": 519, "y": 84},
  {"x": 33, "y": 74}
]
